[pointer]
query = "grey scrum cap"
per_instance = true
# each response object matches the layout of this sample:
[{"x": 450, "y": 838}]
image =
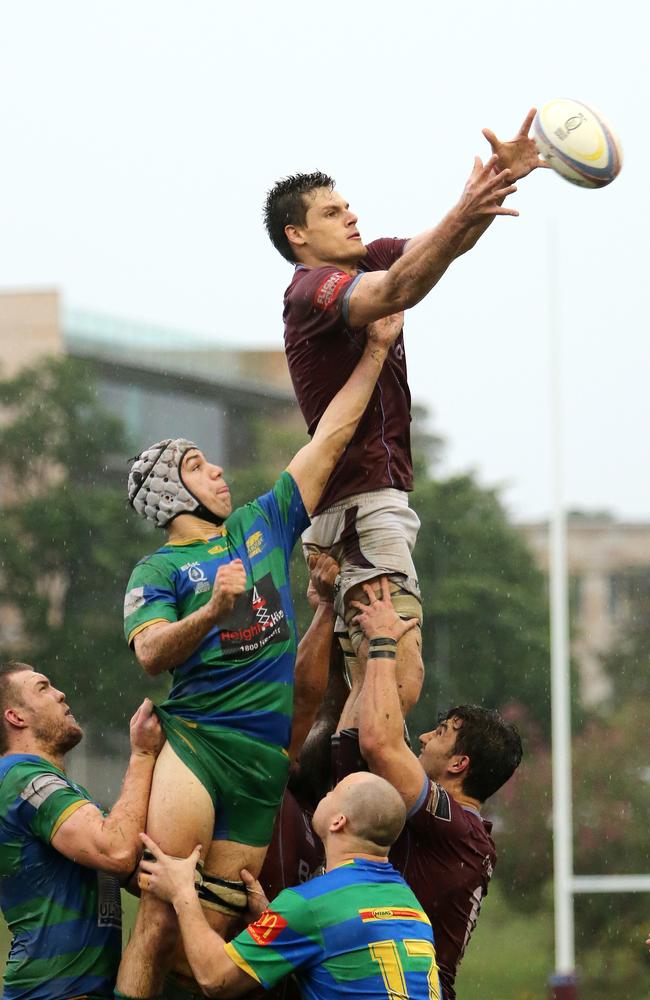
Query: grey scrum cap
[{"x": 156, "y": 490}]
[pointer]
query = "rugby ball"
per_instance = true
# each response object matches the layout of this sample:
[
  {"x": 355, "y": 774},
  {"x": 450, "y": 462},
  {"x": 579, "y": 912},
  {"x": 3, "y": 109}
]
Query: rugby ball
[{"x": 577, "y": 142}]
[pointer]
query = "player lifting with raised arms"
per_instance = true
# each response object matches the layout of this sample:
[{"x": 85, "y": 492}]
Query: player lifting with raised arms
[
  {"x": 338, "y": 287},
  {"x": 214, "y": 606}
]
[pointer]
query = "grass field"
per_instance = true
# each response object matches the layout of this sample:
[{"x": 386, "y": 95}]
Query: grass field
[{"x": 509, "y": 957}]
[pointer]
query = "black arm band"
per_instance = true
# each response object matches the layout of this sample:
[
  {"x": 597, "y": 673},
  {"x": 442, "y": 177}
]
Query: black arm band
[
  {"x": 382, "y": 640},
  {"x": 382, "y": 654}
]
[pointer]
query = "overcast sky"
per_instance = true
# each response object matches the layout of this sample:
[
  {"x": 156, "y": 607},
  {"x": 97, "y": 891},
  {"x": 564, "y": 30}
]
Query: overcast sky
[{"x": 139, "y": 138}]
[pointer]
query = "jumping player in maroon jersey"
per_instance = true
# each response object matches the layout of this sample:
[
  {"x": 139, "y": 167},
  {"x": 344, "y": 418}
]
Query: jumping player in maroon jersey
[
  {"x": 446, "y": 852},
  {"x": 339, "y": 286}
]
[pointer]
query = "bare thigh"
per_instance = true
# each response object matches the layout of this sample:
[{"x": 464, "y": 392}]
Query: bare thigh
[{"x": 181, "y": 813}]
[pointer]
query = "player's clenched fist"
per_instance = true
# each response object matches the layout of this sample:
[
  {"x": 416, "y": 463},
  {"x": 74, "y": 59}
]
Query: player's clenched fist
[
  {"x": 323, "y": 571},
  {"x": 230, "y": 582},
  {"x": 146, "y": 733}
]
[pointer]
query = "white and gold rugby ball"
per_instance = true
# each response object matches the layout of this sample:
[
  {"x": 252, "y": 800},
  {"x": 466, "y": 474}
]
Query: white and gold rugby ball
[{"x": 577, "y": 142}]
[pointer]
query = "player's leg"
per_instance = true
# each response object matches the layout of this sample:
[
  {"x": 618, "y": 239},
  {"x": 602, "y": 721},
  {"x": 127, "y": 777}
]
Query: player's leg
[
  {"x": 249, "y": 777},
  {"x": 222, "y": 896},
  {"x": 410, "y": 667},
  {"x": 378, "y": 539},
  {"x": 370, "y": 535},
  {"x": 181, "y": 815}
]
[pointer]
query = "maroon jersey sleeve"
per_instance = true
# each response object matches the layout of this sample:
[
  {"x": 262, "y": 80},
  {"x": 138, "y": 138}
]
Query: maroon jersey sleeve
[
  {"x": 318, "y": 297},
  {"x": 433, "y": 804}
]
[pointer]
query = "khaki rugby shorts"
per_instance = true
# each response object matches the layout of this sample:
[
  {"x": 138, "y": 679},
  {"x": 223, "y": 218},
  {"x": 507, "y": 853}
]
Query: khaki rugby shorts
[{"x": 369, "y": 534}]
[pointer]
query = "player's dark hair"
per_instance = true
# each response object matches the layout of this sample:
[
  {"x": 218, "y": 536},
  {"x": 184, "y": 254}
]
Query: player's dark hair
[
  {"x": 492, "y": 745},
  {"x": 7, "y": 670},
  {"x": 285, "y": 205}
]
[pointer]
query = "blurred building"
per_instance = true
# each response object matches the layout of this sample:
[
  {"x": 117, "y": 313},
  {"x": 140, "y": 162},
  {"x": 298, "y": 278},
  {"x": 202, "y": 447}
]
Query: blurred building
[
  {"x": 160, "y": 381},
  {"x": 606, "y": 560}
]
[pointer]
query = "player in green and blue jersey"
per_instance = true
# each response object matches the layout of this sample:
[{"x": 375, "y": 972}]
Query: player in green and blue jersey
[
  {"x": 357, "y": 931},
  {"x": 214, "y": 606},
  {"x": 60, "y": 856}
]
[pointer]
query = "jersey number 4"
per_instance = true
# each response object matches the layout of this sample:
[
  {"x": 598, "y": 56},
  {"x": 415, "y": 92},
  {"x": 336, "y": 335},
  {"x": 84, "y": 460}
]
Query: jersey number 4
[{"x": 385, "y": 953}]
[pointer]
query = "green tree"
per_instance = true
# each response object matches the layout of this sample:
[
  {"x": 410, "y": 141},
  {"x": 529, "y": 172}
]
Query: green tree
[
  {"x": 485, "y": 633},
  {"x": 611, "y": 799},
  {"x": 67, "y": 540}
]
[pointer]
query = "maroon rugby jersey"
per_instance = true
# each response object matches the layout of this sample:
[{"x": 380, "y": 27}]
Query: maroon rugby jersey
[
  {"x": 295, "y": 851},
  {"x": 446, "y": 855},
  {"x": 294, "y": 854},
  {"x": 322, "y": 352}
]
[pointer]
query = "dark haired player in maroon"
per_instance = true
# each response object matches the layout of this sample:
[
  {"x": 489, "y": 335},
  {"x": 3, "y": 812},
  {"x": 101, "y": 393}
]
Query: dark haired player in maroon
[
  {"x": 339, "y": 286},
  {"x": 446, "y": 852}
]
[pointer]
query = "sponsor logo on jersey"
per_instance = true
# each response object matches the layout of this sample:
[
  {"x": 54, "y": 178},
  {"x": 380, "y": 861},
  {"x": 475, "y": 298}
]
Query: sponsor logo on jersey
[
  {"x": 328, "y": 292},
  {"x": 257, "y": 619},
  {"x": 393, "y": 913},
  {"x": 196, "y": 576},
  {"x": 218, "y": 550},
  {"x": 267, "y": 927},
  {"x": 255, "y": 544}
]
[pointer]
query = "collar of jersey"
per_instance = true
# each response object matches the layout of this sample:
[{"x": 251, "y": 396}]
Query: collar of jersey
[
  {"x": 193, "y": 541},
  {"x": 360, "y": 861}
]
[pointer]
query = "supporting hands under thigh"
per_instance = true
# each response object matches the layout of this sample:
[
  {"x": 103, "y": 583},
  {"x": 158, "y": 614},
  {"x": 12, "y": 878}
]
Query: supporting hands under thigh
[{"x": 378, "y": 617}]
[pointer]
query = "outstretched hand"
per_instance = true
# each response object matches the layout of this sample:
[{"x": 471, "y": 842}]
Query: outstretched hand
[
  {"x": 379, "y": 617},
  {"x": 519, "y": 155},
  {"x": 485, "y": 191}
]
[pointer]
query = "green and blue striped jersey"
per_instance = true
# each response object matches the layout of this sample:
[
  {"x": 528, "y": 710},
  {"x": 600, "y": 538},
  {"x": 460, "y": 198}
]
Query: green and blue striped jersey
[
  {"x": 241, "y": 675},
  {"x": 65, "y": 919},
  {"x": 357, "y": 931}
]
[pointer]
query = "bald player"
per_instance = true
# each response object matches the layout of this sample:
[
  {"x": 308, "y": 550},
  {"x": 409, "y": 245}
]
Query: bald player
[{"x": 356, "y": 931}]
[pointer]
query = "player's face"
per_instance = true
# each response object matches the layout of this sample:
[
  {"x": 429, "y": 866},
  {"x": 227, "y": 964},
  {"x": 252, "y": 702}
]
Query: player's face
[
  {"x": 438, "y": 747},
  {"x": 46, "y": 712},
  {"x": 326, "y": 808},
  {"x": 330, "y": 232},
  {"x": 205, "y": 481}
]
